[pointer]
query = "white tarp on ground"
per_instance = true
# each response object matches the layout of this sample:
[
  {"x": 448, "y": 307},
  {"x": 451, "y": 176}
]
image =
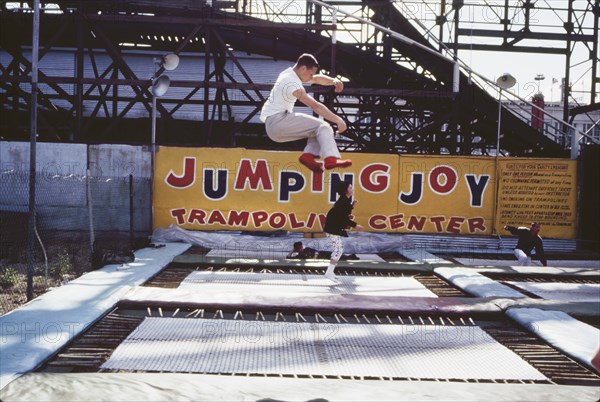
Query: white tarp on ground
[
  {"x": 482, "y": 262},
  {"x": 476, "y": 284},
  {"x": 572, "y": 337},
  {"x": 302, "y": 348},
  {"x": 160, "y": 387},
  {"x": 40, "y": 328},
  {"x": 562, "y": 291},
  {"x": 295, "y": 285},
  {"x": 357, "y": 242}
]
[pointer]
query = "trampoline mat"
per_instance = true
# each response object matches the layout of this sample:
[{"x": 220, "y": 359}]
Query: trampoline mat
[
  {"x": 561, "y": 291},
  {"x": 297, "y": 284},
  {"x": 325, "y": 349}
]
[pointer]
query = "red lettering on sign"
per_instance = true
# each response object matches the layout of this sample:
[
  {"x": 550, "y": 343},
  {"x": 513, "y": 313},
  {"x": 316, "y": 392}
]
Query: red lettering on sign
[
  {"x": 216, "y": 217},
  {"x": 277, "y": 220},
  {"x": 396, "y": 221},
  {"x": 260, "y": 175},
  {"x": 375, "y": 222},
  {"x": 187, "y": 178},
  {"x": 454, "y": 224},
  {"x": 294, "y": 223},
  {"x": 179, "y": 215},
  {"x": 197, "y": 215},
  {"x": 416, "y": 223},
  {"x": 375, "y": 177},
  {"x": 259, "y": 217},
  {"x": 476, "y": 224},
  {"x": 436, "y": 184},
  {"x": 238, "y": 218}
]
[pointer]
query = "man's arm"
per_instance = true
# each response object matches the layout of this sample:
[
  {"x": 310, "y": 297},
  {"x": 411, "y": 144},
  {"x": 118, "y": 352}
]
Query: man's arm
[
  {"x": 322, "y": 79},
  {"x": 320, "y": 109},
  {"x": 513, "y": 230}
]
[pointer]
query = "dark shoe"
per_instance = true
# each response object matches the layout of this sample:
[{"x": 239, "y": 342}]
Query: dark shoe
[
  {"x": 331, "y": 162},
  {"x": 309, "y": 161}
]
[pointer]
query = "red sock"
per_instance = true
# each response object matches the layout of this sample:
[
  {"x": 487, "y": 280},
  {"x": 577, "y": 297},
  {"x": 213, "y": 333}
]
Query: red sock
[
  {"x": 332, "y": 162},
  {"x": 309, "y": 161}
]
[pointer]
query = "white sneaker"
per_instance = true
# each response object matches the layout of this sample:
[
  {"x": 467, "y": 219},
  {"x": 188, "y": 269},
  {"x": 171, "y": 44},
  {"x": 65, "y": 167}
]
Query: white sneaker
[{"x": 331, "y": 277}]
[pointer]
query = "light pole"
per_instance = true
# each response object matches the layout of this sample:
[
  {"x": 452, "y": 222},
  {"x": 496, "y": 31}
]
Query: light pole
[
  {"x": 159, "y": 87},
  {"x": 505, "y": 81},
  {"x": 539, "y": 78}
]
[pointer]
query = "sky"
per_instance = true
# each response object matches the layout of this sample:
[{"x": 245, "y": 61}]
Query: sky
[{"x": 525, "y": 67}]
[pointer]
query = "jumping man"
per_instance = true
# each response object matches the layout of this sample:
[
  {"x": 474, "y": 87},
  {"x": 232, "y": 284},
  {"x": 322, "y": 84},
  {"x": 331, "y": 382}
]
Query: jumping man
[{"x": 283, "y": 124}]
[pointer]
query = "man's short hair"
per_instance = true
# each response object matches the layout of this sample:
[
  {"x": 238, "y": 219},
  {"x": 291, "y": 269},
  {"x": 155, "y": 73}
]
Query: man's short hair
[
  {"x": 298, "y": 244},
  {"x": 307, "y": 60}
]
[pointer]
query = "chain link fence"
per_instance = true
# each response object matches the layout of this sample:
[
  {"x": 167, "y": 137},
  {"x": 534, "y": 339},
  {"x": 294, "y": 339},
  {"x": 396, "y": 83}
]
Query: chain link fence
[{"x": 81, "y": 223}]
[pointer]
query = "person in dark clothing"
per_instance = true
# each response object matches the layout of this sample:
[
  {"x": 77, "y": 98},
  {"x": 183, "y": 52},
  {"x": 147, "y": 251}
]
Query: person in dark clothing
[
  {"x": 339, "y": 218},
  {"x": 301, "y": 252},
  {"x": 528, "y": 240}
]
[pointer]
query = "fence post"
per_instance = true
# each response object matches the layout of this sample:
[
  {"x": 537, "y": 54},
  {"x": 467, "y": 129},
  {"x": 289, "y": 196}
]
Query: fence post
[
  {"x": 131, "y": 230},
  {"x": 90, "y": 213},
  {"x": 32, "y": 146}
]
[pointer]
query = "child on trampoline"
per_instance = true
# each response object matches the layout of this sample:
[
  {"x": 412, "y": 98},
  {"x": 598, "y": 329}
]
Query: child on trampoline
[{"x": 339, "y": 218}]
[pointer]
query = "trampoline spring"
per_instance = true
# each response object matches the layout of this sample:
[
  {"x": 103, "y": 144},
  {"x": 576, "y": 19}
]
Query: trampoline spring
[
  {"x": 366, "y": 319},
  {"x": 299, "y": 316},
  {"x": 411, "y": 320},
  {"x": 378, "y": 319},
  {"x": 442, "y": 321},
  {"x": 317, "y": 316},
  {"x": 471, "y": 321},
  {"x": 337, "y": 318},
  {"x": 400, "y": 319},
  {"x": 175, "y": 313},
  {"x": 260, "y": 314},
  {"x": 421, "y": 320},
  {"x": 191, "y": 313},
  {"x": 343, "y": 318},
  {"x": 389, "y": 319},
  {"x": 201, "y": 312},
  {"x": 160, "y": 313},
  {"x": 279, "y": 314},
  {"x": 431, "y": 321},
  {"x": 149, "y": 310},
  {"x": 357, "y": 319},
  {"x": 238, "y": 313},
  {"x": 218, "y": 313}
]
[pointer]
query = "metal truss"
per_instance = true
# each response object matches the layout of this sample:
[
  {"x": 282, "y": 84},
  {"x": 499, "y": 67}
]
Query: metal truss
[{"x": 398, "y": 98}]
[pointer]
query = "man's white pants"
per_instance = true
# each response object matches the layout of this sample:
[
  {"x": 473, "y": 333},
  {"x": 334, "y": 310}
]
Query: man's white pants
[
  {"x": 286, "y": 127},
  {"x": 523, "y": 258}
]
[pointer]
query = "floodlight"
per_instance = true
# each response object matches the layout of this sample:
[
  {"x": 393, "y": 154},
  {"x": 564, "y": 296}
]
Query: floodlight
[
  {"x": 506, "y": 81},
  {"x": 170, "y": 61},
  {"x": 160, "y": 85}
]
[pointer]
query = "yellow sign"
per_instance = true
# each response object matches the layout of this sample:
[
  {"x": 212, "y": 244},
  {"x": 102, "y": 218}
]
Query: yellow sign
[
  {"x": 240, "y": 189},
  {"x": 538, "y": 190}
]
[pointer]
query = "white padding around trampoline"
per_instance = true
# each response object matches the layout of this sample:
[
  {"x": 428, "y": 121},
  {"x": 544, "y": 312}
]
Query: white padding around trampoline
[
  {"x": 297, "y": 284},
  {"x": 562, "y": 291},
  {"x": 261, "y": 347}
]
